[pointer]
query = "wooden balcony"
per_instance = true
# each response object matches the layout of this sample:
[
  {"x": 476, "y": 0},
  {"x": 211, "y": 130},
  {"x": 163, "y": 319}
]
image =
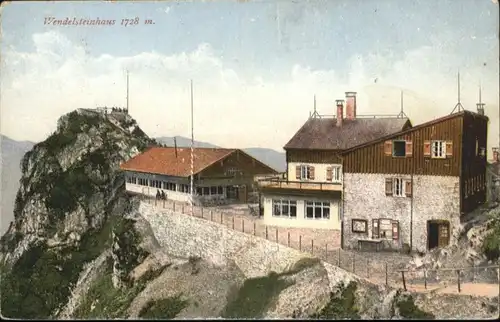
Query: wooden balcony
[{"x": 279, "y": 183}]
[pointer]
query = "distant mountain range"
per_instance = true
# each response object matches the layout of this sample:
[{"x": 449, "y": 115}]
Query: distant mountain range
[
  {"x": 272, "y": 158},
  {"x": 11, "y": 154}
]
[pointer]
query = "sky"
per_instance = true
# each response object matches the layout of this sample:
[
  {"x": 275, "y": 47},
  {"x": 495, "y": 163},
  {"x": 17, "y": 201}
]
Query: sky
[{"x": 256, "y": 65}]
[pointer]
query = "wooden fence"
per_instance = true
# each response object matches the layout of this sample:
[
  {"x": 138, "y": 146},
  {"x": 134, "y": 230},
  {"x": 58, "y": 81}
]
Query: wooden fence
[{"x": 379, "y": 267}]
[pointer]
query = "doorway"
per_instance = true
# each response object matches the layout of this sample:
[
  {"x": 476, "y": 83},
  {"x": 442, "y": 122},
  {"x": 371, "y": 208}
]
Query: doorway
[
  {"x": 438, "y": 233},
  {"x": 232, "y": 192}
]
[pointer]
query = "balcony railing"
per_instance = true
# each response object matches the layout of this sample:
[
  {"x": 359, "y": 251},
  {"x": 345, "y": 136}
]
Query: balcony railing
[{"x": 303, "y": 185}]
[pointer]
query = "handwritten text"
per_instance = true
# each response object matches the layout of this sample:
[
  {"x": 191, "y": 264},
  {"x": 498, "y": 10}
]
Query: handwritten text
[{"x": 97, "y": 22}]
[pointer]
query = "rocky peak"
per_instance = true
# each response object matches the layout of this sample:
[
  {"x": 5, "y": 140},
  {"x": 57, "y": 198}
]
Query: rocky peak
[{"x": 70, "y": 180}]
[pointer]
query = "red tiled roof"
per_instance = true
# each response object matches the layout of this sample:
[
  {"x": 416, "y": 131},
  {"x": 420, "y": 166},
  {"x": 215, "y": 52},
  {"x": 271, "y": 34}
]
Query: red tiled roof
[{"x": 159, "y": 160}]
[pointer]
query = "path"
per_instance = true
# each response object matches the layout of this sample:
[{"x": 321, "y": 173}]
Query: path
[{"x": 377, "y": 268}]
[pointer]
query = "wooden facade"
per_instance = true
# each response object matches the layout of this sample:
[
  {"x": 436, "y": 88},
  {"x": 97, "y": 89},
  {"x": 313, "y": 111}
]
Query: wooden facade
[
  {"x": 465, "y": 137},
  {"x": 237, "y": 165},
  {"x": 474, "y": 163},
  {"x": 313, "y": 156},
  {"x": 374, "y": 157}
]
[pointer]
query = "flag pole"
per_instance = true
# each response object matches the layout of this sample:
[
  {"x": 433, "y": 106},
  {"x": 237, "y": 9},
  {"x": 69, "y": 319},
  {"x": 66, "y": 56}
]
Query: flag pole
[{"x": 192, "y": 152}]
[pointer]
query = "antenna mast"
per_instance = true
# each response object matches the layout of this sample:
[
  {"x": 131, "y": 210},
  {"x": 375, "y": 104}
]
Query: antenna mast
[
  {"x": 192, "y": 152},
  {"x": 402, "y": 113},
  {"x": 459, "y": 106},
  {"x": 127, "y": 92},
  {"x": 315, "y": 113}
]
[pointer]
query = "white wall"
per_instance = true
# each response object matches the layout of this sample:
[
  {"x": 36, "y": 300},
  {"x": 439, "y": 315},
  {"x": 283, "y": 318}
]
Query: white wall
[
  {"x": 301, "y": 221},
  {"x": 434, "y": 198},
  {"x": 151, "y": 191},
  {"x": 319, "y": 171}
]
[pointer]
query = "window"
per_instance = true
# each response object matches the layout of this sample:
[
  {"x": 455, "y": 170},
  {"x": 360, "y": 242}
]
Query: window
[
  {"x": 304, "y": 172},
  {"x": 385, "y": 229},
  {"x": 213, "y": 190},
  {"x": 132, "y": 180},
  {"x": 438, "y": 149},
  {"x": 477, "y": 147},
  {"x": 398, "y": 148},
  {"x": 169, "y": 186},
  {"x": 334, "y": 173},
  {"x": 285, "y": 208},
  {"x": 398, "y": 187},
  {"x": 143, "y": 182},
  {"x": 206, "y": 191},
  {"x": 155, "y": 183},
  {"x": 199, "y": 191},
  {"x": 317, "y": 210},
  {"x": 184, "y": 188},
  {"x": 359, "y": 226},
  {"x": 220, "y": 190}
]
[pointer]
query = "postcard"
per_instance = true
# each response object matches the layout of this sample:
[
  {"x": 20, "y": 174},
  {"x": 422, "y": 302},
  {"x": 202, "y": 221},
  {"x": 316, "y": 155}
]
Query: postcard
[{"x": 250, "y": 159}]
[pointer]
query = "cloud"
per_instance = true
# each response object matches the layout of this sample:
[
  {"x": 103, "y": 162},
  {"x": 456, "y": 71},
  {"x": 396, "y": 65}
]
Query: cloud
[{"x": 232, "y": 108}]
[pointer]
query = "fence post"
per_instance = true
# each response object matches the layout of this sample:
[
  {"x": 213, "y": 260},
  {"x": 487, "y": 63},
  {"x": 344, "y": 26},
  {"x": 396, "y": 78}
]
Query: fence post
[
  {"x": 386, "y": 276},
  {"x": 404, "y": 281},
  {"x": 201, "y": 212},
  {"x": 254, "y": 228},
  {"x": 211, "y": 215},
  {"x": 266, "y": 232},
  {"x": 233, "y": 223},
  {"x": 338, "y": 259},
  {"x": 425, "y": 279},
  {"x": 300, "y": 242},
  {"x": 243, "y": 225},
  {"x": 288, "y": 242},
  {"x": 353, "y": 262},
  {"x": 163, "y": 203},
  {"x": 326, "y": 252},
  {"x": 182, "y": 209},
  {"x": 312, "y": 246},
  {"x": 276, "y": 234},
  {"x": 458, "y": 280},
  {"x": 367, "y": 268},
  {"x": 221, "y": 221}
]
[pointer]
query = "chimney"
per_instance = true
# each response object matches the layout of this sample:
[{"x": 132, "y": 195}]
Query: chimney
[
  {"x": 480, "y": 108},
  {"x": 340, "y": 111},
  {"x": 495, "y": 155},
  {"x": 350, "y": 108}
]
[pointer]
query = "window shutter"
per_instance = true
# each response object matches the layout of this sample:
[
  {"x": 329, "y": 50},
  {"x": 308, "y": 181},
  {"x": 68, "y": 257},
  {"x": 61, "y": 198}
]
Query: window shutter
[
  {"x": 395, "y": 230},
  {"x": 449, "y": 149},
  {"x": 409, "y": 148},
  {"x": 329, "y": 174},
  {"x": 388, "y": 186},
  {"x": 375, "y": 229},
  {"x": 311, "y": 173},
  {"x": 408, "y": 188},
  {"x": 297, "y": 172},
  {"x": 427, "y": 148},
  {"x": 388, "y": 147}
]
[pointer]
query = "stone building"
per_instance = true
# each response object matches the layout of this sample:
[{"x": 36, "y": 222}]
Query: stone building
[
  {"x": 310, "y": 193},
  {"x": 411, "y": 189},
  {"x": 222, "y": 174}
]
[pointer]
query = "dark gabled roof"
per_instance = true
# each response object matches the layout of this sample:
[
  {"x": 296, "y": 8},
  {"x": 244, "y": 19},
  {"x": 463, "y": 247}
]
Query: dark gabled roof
[
  {"x": 324, "y": 134},
  {"x": 414, "y": 128}
]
